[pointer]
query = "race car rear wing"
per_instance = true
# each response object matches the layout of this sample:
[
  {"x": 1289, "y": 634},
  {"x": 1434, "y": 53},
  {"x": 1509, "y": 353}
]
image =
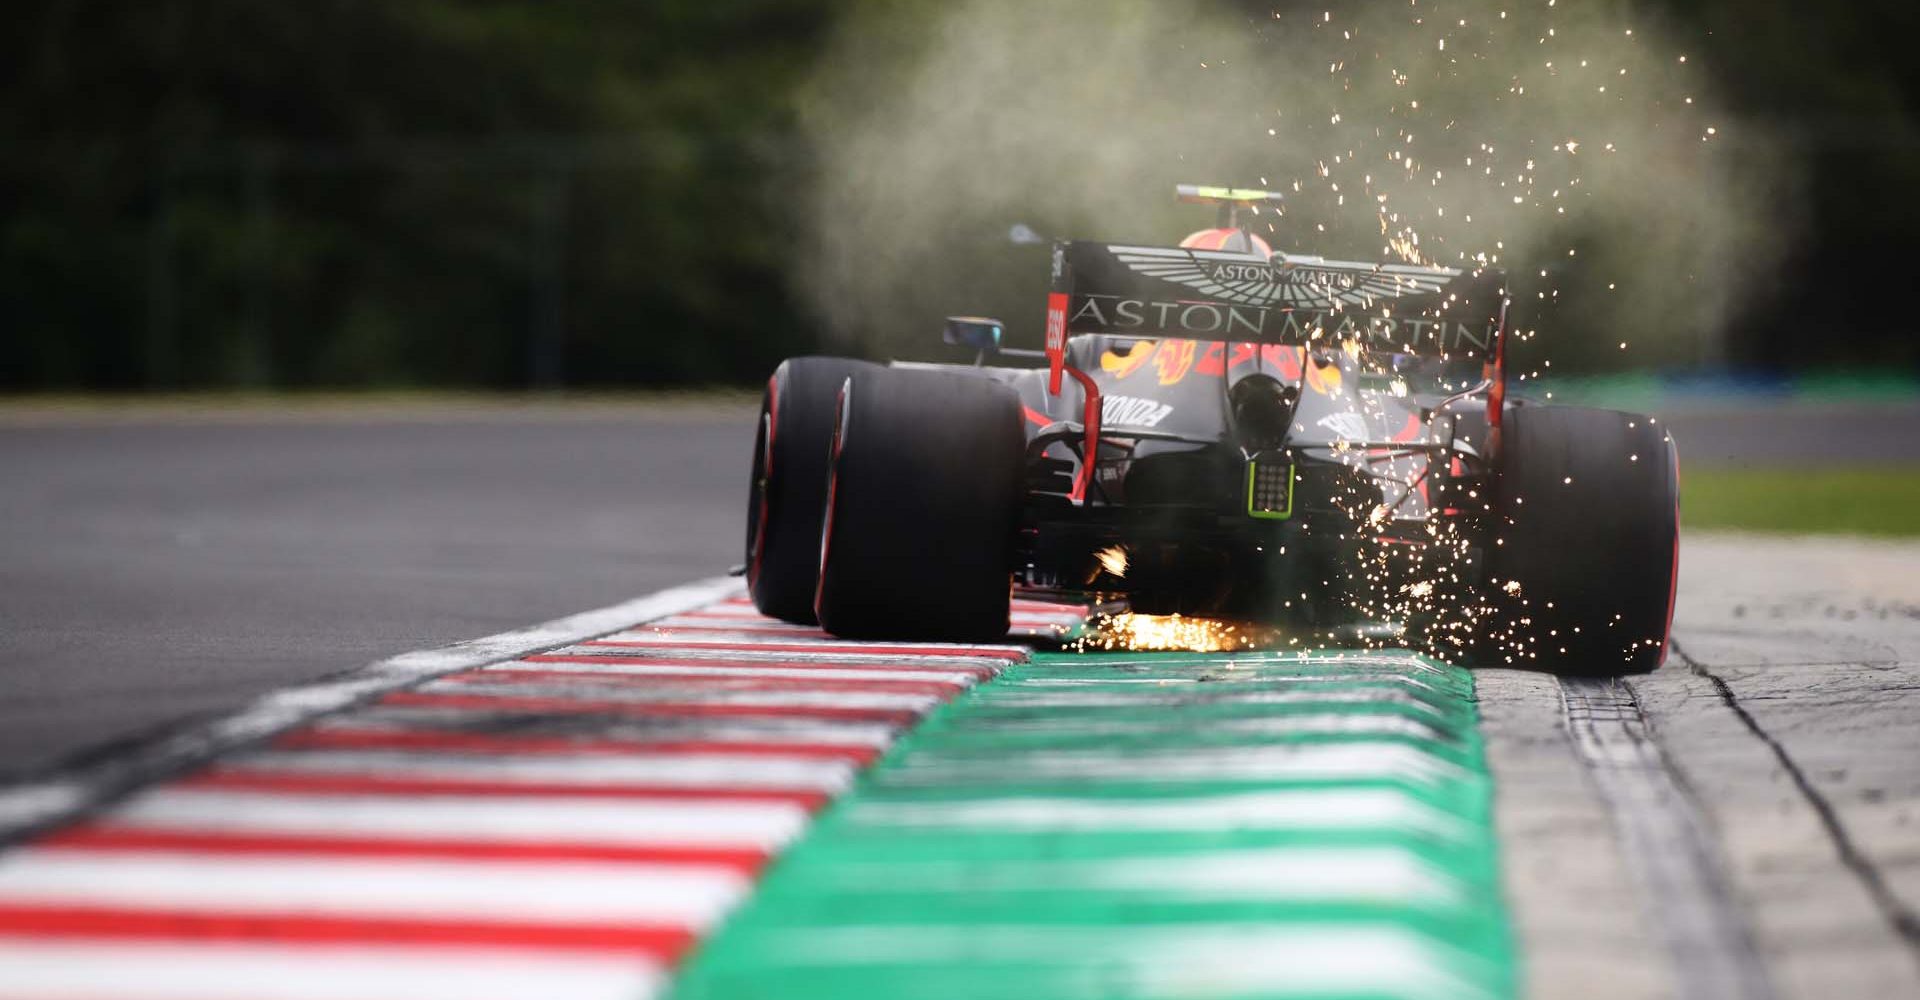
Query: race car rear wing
[{"x": 1283, "y": 299}]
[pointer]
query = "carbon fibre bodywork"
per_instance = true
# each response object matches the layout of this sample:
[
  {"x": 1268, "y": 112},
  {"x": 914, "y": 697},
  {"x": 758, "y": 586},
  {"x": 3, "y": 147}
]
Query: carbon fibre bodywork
[
  {"x": 1223, "y": 430},
  {"x": 1382, "y": 452}
]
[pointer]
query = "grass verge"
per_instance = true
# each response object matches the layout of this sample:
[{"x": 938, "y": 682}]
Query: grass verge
[{"x": 1870, "y": 500}]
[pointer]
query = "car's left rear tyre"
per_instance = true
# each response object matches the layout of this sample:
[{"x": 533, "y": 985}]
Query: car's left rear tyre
[{"x": 923, "y": 503}]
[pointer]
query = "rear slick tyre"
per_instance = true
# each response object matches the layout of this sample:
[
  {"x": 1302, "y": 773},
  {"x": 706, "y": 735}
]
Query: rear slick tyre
[
  {"x": 789, "y": 494},
  {"x": 923, "y": 503},
  {"x": 1587, "y": 533}
]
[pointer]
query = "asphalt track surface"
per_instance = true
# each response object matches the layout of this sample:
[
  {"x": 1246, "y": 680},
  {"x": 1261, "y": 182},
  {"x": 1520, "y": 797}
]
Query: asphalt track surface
[
  {"x": 155, "y": 573},
  {"x": 159, "y": 572},
  {"x": 157, "y": 568}
]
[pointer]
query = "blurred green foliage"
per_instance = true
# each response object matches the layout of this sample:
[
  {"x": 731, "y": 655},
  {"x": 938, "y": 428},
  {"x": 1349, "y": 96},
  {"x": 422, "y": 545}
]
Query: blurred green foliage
[
  {"x": 501, "y": 193},
  {"x": 432, "y": 192},
  {"x": 1840, "y": 85}
]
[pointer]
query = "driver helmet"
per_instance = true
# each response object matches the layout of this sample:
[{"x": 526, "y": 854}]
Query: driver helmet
[{"x": 1235, "y": 240}]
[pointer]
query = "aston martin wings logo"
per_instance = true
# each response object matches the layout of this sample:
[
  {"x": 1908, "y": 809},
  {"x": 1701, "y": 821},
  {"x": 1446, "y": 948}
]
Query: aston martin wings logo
[{"x": 1296, "y": 282}]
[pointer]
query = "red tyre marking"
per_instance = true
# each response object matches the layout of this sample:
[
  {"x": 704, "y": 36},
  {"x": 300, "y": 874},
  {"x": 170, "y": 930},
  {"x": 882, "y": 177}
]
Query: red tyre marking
[
  {"x": 833, "y": 489},
  {"x": 766, "y": 478},
  {"x": 1673, "y": 579}
]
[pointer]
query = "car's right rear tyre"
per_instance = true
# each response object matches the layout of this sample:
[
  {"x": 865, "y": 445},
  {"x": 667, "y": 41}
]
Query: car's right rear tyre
[
  {"x": 923, "y": 504},
  {"x": 1587, "y": 530},
  {"x": 787, "y": 504}
]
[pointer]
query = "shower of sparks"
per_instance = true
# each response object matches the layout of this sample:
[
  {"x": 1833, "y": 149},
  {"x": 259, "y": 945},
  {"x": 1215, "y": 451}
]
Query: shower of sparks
[
  {"x": 1445, "y": 184},
  {"x": 1501, "y": 139},
  {"x": 1424, "y": 175},
  {"x": 1137, "y": 633}
]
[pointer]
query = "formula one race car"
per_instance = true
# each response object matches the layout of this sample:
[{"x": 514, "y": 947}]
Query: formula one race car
[{"x": 1226, "y": 431}]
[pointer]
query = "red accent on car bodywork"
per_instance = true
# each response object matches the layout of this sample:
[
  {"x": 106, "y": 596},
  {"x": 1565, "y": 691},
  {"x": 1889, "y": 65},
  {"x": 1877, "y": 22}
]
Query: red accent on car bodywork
[
  {"x": 1288, "y": 359},
  {"x": 1056, "y": 339},
  {"x": 1090, "y": 449},
  {"x": 1213, "y": 360},
  {"x": 1410, "y": 430},
  {"x": 1497, "y": 375}
]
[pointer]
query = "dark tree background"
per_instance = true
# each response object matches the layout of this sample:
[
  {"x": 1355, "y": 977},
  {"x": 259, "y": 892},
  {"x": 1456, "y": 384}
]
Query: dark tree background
[
  {"x": 1840, "y": 83},
  {"x": 346, "y": 193}
]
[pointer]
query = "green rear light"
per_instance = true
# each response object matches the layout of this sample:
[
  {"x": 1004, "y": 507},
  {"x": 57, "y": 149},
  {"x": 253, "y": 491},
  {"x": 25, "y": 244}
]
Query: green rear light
[{"x": 1270, "y": 488}]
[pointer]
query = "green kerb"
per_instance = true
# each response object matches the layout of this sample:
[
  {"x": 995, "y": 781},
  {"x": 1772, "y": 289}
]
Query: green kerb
[{"x": 1126, "y": 825}]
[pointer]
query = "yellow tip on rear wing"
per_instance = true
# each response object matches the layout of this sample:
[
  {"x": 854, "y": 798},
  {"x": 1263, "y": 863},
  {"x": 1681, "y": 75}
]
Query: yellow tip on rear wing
[{"x": 1200, "y": 194}]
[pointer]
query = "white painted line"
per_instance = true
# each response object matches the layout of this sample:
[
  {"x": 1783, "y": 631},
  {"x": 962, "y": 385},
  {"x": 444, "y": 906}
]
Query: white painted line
[
  {"x": 897, "y": 651},
  {"x": 554, "y": 819},
  {"x": 401, "y": 718},
  {"x": 693, "y": 695},
  {"x": 1379, "y": 809},
  {"x": 31, "y": 805},
  {"x": 1356, "y": 724},
  {"x": 1190, "y": 960},
  {"x": 1269, "y": 961},
  {"x": 688, "y": 770},
  {"x": 178, "y": 970},
  {"x": 1308, "y": 762},
  {"x": 1372, "y": 875},
  {"x": 1391, "y": 875},
  {"x": 1014, "y": 696},
  {"x": 839, "y": 655},
  {"x": 767, "y": 672},
  {"x": 746, "y": 615},
  {"x": 725, "y": 611},
  {"x": 1379, "y": 688},
  {"x": 550, "y": 892},
  {"x": 1387, "y": 663}
]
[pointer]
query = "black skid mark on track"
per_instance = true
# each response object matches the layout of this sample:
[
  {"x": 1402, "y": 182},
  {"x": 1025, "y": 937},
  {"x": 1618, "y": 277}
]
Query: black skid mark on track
[
  {"x": 1899, "y": 916},
  {"x": 1665, "y": 840}
]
